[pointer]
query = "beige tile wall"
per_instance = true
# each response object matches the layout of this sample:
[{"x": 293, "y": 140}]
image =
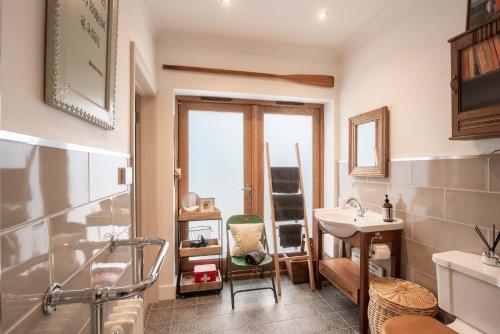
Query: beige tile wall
[
  {"x": 441, "y": 200},
  {"x": 59, "y": 209}
]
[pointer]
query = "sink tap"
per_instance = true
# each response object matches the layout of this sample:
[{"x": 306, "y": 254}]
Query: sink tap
[{"x": 361, "y": 209}]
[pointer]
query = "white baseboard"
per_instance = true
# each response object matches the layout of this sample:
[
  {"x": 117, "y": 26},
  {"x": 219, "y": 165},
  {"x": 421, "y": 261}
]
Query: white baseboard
[{"x": 166, "y": 292}]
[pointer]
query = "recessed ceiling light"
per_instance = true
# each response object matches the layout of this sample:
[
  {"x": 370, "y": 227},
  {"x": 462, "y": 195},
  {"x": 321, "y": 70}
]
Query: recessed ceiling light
[
  {"x": 322, "y": 15},
  {"x": 225, "y": 2}
]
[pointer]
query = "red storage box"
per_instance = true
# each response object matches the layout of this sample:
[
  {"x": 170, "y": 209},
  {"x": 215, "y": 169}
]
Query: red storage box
[{"x": 205, "y": 273}]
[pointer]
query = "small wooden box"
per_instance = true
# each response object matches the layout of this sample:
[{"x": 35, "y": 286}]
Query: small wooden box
[{"x": 298, "y": 270}]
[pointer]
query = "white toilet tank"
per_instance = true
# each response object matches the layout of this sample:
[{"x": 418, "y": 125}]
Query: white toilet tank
[{"x": 469, "y": 289}]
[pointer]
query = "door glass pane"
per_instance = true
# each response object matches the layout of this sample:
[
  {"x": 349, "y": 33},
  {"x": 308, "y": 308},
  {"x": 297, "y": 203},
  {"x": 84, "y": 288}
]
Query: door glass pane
[
  {"x": 216, "y": 162},
  {"x": 282, "y": 131}
]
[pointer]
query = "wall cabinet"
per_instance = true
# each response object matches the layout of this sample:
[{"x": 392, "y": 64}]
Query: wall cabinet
[{"x": 475, "y": 83}]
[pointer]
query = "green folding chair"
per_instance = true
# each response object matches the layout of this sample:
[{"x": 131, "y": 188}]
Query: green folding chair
[{"x": 240, "y": 262}]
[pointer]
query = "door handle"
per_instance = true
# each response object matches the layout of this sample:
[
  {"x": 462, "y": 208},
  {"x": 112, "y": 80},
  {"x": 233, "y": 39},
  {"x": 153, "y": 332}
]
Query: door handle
[{"x": 248, "y": 193}]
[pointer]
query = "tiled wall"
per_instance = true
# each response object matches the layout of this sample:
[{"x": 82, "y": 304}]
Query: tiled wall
[
  {"x": 59, "y": 208},
  {"x": 441, "y": 200}
]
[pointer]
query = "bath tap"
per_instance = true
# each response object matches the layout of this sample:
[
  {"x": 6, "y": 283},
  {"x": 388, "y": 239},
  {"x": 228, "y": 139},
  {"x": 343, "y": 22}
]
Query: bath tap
[{"x": 361, "y": 209}]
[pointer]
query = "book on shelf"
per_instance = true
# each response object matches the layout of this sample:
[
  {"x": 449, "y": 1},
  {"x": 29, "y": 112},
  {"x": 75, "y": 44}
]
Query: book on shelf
[{"x": 481, "y": 58}]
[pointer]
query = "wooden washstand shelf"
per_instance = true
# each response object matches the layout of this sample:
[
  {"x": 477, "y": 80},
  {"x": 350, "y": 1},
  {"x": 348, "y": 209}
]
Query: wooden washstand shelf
[
  {"x": 187, "y": 283},
  {"x": 350, "y": 278},
  {"x": 344, "y": 275}
]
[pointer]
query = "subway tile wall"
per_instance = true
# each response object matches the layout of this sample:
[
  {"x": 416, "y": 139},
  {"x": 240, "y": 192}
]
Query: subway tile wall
[
  {"x": 58, "y": 211},
  {"x": 441, "y": 200}
]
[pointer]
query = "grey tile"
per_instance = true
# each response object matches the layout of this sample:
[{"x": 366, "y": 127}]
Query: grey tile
[
  {"x": 333, "y": 321},
  {"x": 103, "y": 175},
  {"x": 309, "y": 324},
  {"x": 350, "y": 316},
  {"x": 179, "y": 327},
  {"x": 184, "y": 313},
  {"x": 339, "y": 303},
  {"x": 300, "y": 310},
  {"x": 165, "y": 303},
  {"x": 255, "y": 312},
  {"x": 207, "y": 299},
  {"x": 451, "y": 173},
  {"x": 25, "y": 271},
  {"x": 494, "y": 176},
  {"x": 38, "y": 181},
  {"x": 185, "y": 301},
  {"x": 160, "y": 316},
  {"x": 473, "y": 208},
  {"x": 212, "y": 324}
]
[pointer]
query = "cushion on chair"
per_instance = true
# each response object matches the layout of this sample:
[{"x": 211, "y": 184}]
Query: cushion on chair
[{"x": 247, "y": 238}]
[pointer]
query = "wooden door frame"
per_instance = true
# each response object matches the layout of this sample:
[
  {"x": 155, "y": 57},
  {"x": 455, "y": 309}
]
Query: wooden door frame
[{"x": 255, "y": 128}]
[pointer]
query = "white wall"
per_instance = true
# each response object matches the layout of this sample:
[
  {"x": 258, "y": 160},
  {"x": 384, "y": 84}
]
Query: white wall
[
  {"x": 198, "y": 50},
  {"x": 22, "y": 73},
  {"x": 406, "y": 66}
]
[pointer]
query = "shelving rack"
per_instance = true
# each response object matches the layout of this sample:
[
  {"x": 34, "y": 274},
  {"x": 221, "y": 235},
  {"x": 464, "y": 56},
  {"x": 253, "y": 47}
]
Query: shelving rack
[{"x": 185, "y": 279}]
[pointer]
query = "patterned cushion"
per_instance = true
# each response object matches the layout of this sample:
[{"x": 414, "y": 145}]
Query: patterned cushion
[{"x": 247, "y": 238}]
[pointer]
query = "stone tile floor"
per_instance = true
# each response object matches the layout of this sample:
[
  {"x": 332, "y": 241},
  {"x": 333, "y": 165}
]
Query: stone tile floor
[{"x": 299, "y": 310}]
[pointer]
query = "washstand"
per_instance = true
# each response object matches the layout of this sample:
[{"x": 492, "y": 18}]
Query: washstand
[{"x": 347, "y": 276}]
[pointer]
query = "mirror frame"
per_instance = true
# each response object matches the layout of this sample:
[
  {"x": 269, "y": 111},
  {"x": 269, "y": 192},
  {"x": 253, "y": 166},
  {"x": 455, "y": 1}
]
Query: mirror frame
[{"x": 381, "y": 118}]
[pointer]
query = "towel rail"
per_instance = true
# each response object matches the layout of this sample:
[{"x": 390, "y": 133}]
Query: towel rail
[{"x": 55, "y": 295}]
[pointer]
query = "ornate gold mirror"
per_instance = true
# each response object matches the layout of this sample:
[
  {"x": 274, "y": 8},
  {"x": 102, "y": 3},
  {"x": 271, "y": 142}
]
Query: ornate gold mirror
[{"x": 369, "y": 143}]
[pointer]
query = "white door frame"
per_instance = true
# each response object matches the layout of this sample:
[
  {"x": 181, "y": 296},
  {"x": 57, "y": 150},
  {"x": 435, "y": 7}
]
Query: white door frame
[{"x": 141, "y": 84}]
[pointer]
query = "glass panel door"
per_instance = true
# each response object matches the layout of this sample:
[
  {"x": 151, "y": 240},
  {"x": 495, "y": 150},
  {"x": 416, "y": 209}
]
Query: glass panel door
[
  {"x": 216, "y": 161},
  {"x": 282, "y": 131}
]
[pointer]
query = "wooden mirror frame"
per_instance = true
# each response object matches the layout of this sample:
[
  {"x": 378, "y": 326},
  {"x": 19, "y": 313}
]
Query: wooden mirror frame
[{"x": 381, "y": 118}]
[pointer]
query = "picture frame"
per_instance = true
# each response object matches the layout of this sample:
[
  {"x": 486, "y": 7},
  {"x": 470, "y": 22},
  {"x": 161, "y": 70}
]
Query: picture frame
[
  {"x": 80, "y": 60},
  {"x": 207, "y": 204},
  {"x": 480, "y": 12}
]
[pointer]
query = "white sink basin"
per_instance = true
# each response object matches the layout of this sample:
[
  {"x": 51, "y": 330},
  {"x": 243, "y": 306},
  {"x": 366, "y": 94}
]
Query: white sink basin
[{"x": 345, "y": 222}]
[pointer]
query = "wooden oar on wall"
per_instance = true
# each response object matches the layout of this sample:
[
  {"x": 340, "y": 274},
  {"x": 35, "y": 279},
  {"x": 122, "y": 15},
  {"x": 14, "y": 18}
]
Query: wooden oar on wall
[{"x": 308, "y": 79}]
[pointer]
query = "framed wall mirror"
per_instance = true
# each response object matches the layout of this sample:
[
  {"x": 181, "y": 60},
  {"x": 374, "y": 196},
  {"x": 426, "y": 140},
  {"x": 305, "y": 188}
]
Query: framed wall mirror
[{"x": 369, "y": 143}]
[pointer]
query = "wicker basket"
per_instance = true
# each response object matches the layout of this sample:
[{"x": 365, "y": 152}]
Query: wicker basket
[{"x": 390, "y": 297}]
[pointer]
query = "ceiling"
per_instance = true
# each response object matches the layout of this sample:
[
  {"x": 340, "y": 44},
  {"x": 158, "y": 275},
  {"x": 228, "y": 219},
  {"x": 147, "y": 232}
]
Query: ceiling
[{"x": 293, "y": 22}]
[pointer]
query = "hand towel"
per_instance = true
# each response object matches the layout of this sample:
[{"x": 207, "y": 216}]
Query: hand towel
[
  {"x": 290, "y": 235},
  {"x": 288, "y": 207},
  {"x": 285, "y": 180}
]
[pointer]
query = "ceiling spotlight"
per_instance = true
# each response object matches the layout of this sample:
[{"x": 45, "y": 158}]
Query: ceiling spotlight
[
  {"x": 225, "y": 2},
  {"x": 322, "y": 15}
]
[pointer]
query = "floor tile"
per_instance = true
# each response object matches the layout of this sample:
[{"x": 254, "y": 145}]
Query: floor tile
[{"x": 299, "y": 310}]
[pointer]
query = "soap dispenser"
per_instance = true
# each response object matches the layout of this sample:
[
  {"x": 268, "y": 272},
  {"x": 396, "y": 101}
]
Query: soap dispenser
[{"x": 387, "y": 213}]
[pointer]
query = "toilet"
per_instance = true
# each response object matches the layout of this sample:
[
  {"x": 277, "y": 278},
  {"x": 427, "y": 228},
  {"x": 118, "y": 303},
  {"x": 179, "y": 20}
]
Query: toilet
[{"x": 468, "y": 289}]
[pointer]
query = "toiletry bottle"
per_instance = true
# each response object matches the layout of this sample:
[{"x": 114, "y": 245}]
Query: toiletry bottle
[{"x": 387, "y": 214}]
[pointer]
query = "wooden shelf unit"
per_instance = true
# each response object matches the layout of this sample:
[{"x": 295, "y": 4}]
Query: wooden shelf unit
[
  {"x": 185, "y": 278},
  {"x": 474, "y": 97},
  {"x": 344, "y": 274}
]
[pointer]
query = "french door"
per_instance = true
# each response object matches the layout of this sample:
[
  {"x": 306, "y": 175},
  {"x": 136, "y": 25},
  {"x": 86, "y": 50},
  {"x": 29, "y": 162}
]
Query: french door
[{"x": 221, "y": 152}]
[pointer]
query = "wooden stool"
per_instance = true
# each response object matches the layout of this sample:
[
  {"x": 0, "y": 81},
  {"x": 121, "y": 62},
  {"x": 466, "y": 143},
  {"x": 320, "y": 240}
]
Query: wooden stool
[{"x": 415, "y": 324}]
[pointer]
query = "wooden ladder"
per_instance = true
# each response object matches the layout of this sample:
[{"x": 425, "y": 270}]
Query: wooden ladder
[{"x": 305, "y": 226}]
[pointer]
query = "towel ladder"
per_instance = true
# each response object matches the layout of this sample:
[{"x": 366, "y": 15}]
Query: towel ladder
[{"x": 309, "y": 255}]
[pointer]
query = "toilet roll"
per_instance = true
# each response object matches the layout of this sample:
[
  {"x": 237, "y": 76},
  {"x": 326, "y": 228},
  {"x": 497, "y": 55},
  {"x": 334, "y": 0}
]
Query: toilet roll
[{"x": 380, "y": 252}]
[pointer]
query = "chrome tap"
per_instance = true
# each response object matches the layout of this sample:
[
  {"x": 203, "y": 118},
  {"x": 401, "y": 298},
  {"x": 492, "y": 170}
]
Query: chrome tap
[{"x": 361, "y": 209}]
